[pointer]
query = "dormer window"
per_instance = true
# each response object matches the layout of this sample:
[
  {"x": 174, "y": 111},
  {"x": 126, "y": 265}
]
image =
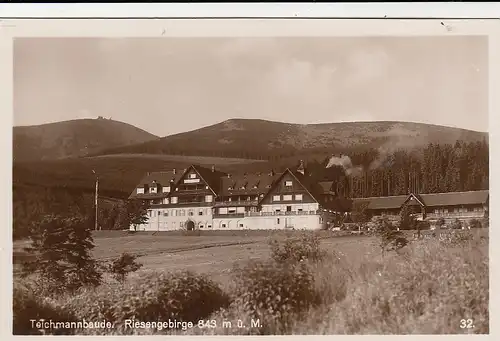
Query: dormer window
[
  {"x": 256, "y": 185},
  {"x": 288, "y": 183},
  {"x": 230, "y": 188}
]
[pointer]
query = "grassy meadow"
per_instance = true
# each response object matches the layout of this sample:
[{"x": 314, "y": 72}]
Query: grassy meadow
[{"x": 237, "y": 283}]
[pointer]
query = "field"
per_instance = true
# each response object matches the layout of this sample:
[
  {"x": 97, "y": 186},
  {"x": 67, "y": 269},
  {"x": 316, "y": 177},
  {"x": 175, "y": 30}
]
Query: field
[
  {"x": 427, "y": 287},
  {"x": 200, "y": 160}
]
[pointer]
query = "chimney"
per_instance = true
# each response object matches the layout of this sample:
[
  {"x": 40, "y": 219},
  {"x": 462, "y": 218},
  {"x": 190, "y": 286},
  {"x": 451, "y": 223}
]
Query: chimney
[
  {"x": 271, "y": 173},
  {"x": 301, "y": 168},
  {"x": 174, "y": 171},
  {"x": 213, "y": 168}
]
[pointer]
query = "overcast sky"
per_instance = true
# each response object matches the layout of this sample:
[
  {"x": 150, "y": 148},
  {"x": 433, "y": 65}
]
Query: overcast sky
[{"x": 171, "y": 85}]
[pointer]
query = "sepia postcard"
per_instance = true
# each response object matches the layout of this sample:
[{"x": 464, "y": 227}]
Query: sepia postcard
[{"x": 234, "y": 177}]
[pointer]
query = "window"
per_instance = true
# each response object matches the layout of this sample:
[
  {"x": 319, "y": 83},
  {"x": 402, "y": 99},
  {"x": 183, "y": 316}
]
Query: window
[
  {"x": 209, "y": 226},
  {"x": 181, "y": 224},
  {"x": 241, "y": 225},
  {"x": 190, "y": 213},
  {"x": 224, "y": 225},
  {"x": 165, "y": 214},
  {"x": 192, "y": 176},
  {"x": 276, "y": 198},
  {"x": 299, "y": 210},
  {"x": 174, "y": 200},
  {"x": 152, "y": 190},
  {"x": 200, "y": 213},
  {"x": 140, "y": 190},
  {"x": 287, "y": 197},
  {"x": 230, "y": 199},
  {"x": 160, "y": 213},
  {"x": 201, "y": 226},
  {"x": 165, "y": 200},
  {"x": 150, "y": 213},
  {"x": 288, "y": 183},
  {"x": 166, "y": 189},
  {"x": 208, "y": 198},
  {"x": 278, "y": 221},
  {"x": 277, "y": 210},
  {"x": 289, "y": 208},
  {"x": 298, "y": 197},
  {"x": 231, "y": 210}
]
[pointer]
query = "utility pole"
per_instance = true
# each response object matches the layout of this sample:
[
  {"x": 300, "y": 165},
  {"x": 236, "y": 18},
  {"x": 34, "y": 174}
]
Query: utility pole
[{"x": 96, "y": 198}]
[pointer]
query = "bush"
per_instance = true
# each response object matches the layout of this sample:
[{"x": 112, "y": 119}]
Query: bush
[
  {"x": 61, "y": 249},
  {"x": 123, "y": 265},
  {"x": 27, "y": 307},
  {"x": 271, "y": 291},
  {"x": 183, "y": 296},
  {"x": 296, "y": 249},
  {"x": 440, "y": 222},
  {"x": 457, "y": 224},
  {"x": 406, "y": 220},
  {"x": 390, "y": 237},
  {"x": 475, "y": 224}
]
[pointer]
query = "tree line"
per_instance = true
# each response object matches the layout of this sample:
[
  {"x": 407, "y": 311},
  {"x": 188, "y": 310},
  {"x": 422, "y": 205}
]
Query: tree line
[{"x": 432, "y": 169}]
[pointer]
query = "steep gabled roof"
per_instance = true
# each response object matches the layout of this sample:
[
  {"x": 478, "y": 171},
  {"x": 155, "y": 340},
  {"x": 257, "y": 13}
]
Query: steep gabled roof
[
  {"x": 429, "y": 200},
  {"x": 254, "y": 184},
  {"x": 325, "y": 186},
  {"x": 383, "y": 203},
  {"x": 209, "y": 176},
  {"x": 303, "y": 181},
  {"x": 456, "y": 198},
  {"x": 163, "y": 178}
]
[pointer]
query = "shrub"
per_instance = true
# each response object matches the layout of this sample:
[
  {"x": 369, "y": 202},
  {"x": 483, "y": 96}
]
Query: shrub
[
  {"x": 296, "y": 249},
  {"x": 457, "y": 224},
  {"x": 475, "y": 224},
  {"x": 61, "y": 249},
  {"x": 183, "y": 296},
  {"x": 123, "y": 265},
  {"x": 390, "y": 237},
  {"x": 440, "y": 222},
  {"x": 27, "y": 307},
  {"x": 278, "y": 292},
  {"x": 406, "y": 220}
]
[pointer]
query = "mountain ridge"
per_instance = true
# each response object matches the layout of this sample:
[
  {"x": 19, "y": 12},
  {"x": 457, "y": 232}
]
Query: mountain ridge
[
  {"x": 73, "y": 138},
  {"x": 258, "y": 138}
]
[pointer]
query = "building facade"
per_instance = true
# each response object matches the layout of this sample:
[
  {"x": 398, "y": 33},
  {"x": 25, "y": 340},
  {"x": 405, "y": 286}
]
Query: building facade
[
  {"x": 464, "y": 206},
  {"x": 207, "y": 199}
]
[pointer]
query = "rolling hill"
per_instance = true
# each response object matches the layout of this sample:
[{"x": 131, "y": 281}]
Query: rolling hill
[
  {"x": 260, "y": 139},
  {"x": 73, "y": 138}
]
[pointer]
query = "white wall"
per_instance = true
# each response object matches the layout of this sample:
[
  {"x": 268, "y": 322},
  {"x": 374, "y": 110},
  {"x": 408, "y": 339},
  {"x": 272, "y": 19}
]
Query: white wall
[
  {"x": 308, "y": 222},
  {"x": 159, "y": 222}
]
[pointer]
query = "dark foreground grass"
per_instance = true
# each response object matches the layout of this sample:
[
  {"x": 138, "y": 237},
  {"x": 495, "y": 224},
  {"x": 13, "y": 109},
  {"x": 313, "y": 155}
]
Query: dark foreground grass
[{"x": 427, "y": 288}]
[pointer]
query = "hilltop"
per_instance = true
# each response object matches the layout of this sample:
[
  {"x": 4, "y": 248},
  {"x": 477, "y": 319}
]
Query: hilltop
[
  {"x": 73, "y": 138},
  {"x": 260, "y": 139}
]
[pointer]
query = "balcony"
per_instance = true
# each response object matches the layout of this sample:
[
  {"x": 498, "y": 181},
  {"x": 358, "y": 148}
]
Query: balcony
[
  {"x": 236, "y": 203},
  {"x": 229, "y": 215},
  {"x": 290, "y": 213}
]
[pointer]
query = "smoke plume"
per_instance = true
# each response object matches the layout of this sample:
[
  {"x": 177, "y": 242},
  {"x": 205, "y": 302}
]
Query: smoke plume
[{"x": 345, "y": 162}]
